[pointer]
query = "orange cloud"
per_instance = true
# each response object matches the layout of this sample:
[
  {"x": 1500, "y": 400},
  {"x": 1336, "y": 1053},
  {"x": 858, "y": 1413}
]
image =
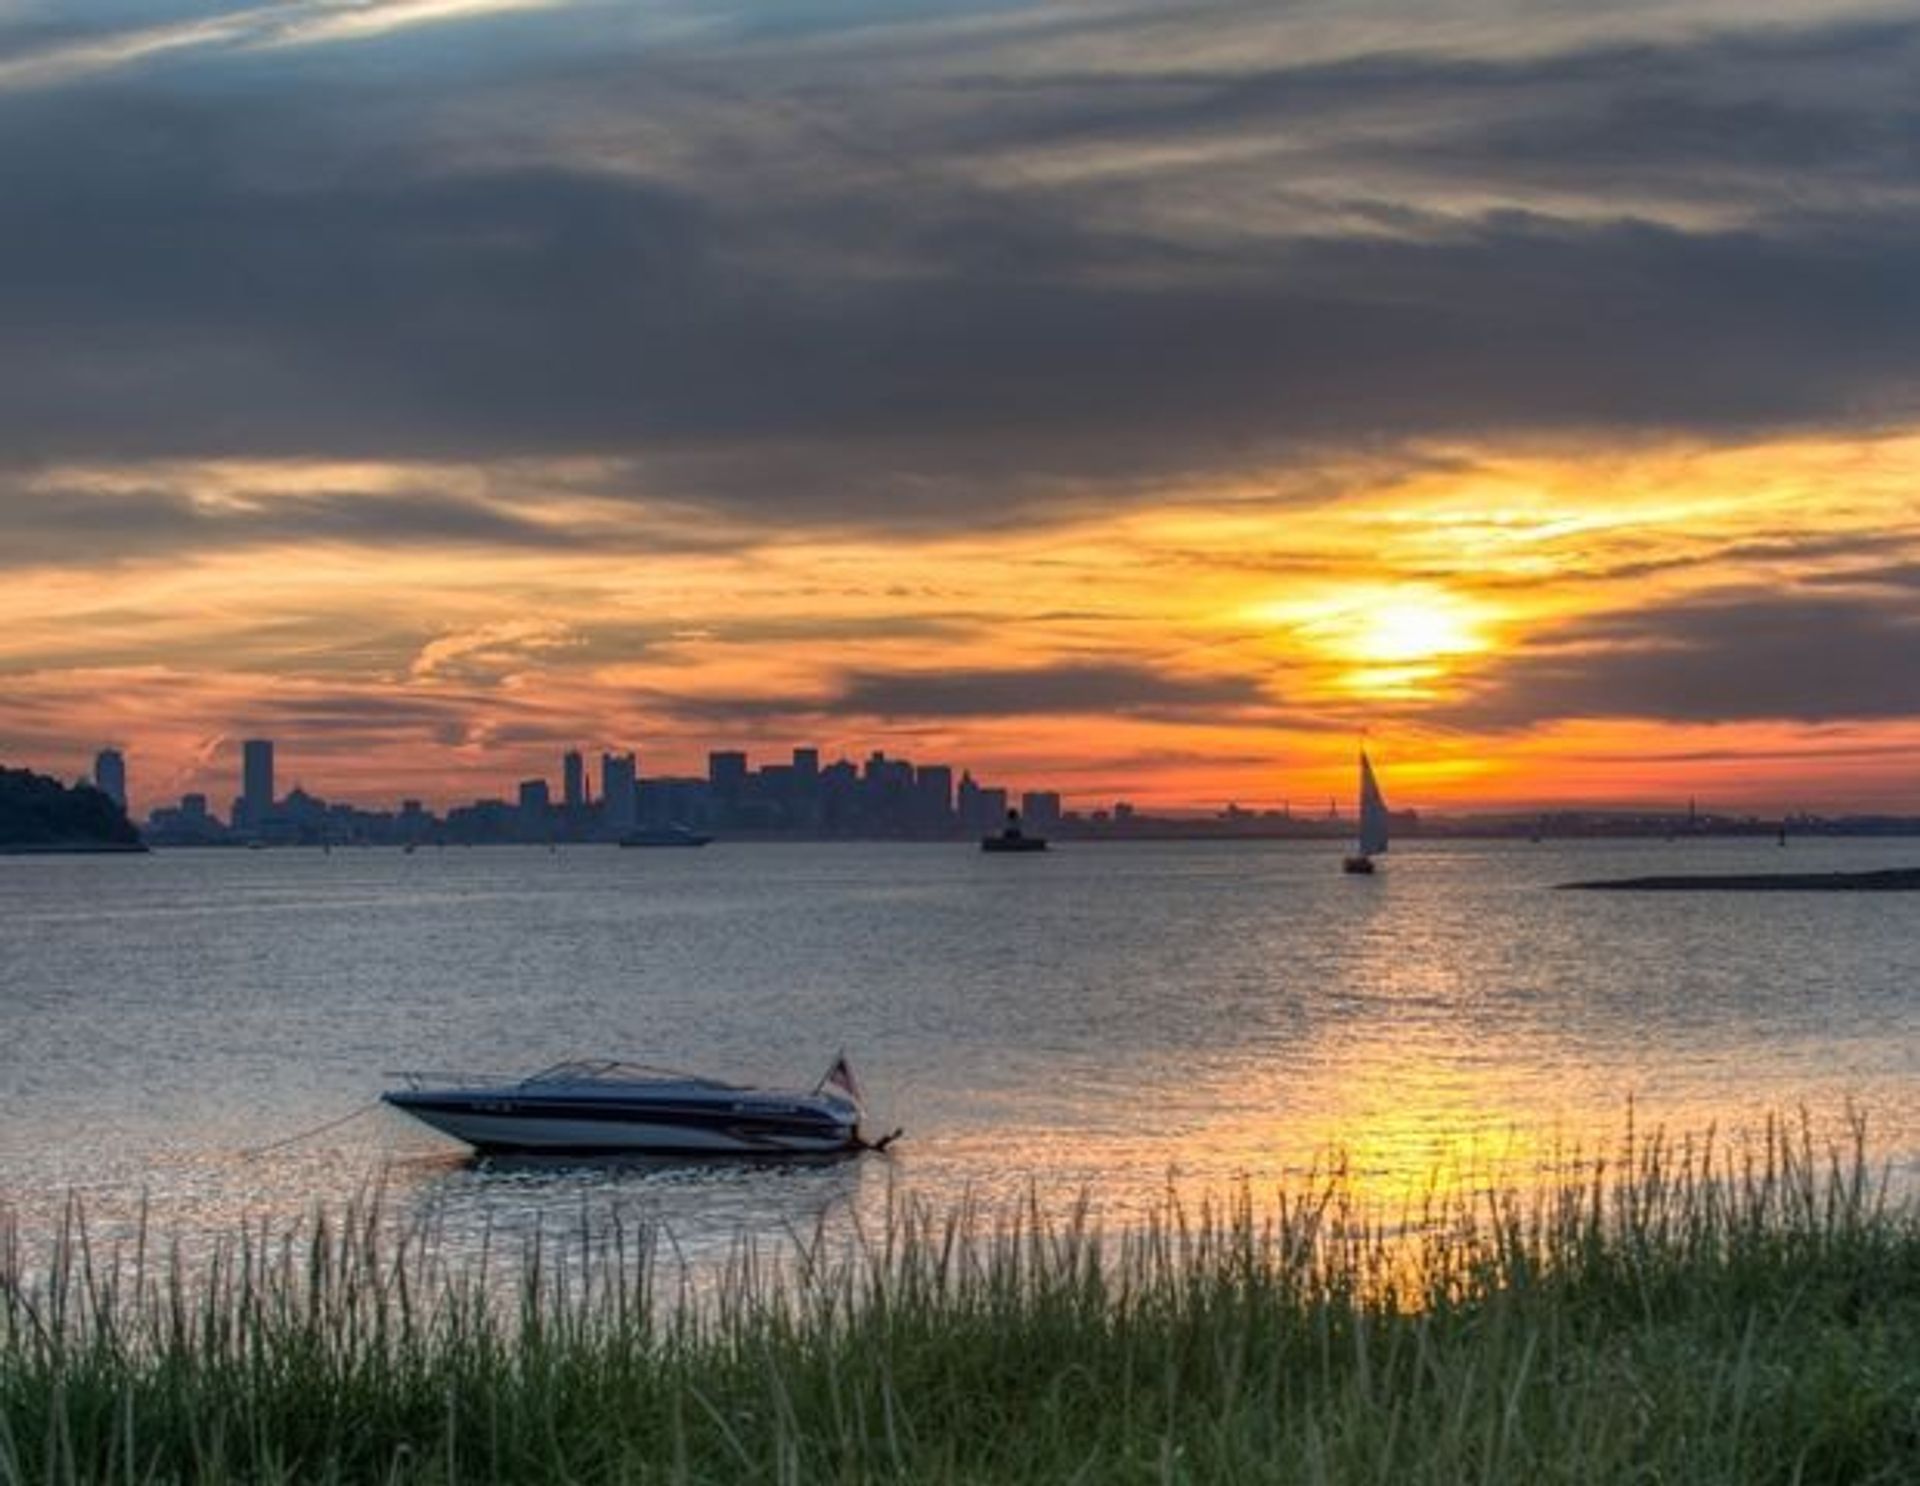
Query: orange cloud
[{"x": 1206, "y": 647}]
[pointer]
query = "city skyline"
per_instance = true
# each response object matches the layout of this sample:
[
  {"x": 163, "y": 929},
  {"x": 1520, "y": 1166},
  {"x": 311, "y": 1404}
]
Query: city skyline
[
  {"x": 630, "y": 797},
  {"x": 926, "y": 790},
  {"x": 877, "y": 796},
  {"x": 1144, "y": 401}
]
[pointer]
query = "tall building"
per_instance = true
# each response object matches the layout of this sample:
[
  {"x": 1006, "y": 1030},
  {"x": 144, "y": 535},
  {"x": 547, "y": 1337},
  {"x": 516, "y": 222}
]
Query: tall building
[
  {"x": 256, "y": 780},
  {"x": 804, "y": 805},
  {"x": 1040, "y": 809},
  {"x": 967, "y": 802},
  {"x": 110, "y": 775},
  {"x": 933, "y": 799},
  {"x": 619, "y": 791},
  {"x": 727, "y": 774},
  {"x": 536, "y": 810},
  {"x": 839, "y": 798},
  {"x": 574, "y": 781}
]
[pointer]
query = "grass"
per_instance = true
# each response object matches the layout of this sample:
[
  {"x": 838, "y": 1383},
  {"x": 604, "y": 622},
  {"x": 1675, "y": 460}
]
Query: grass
[{"x": 1680, "y": 1313}]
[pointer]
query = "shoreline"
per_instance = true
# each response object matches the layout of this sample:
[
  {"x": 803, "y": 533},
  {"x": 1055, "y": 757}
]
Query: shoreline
[
  {"x": 72, "y": 848},
  {"x": 1882, "y": 880},
  {"x": 1651, "y": 1319}
]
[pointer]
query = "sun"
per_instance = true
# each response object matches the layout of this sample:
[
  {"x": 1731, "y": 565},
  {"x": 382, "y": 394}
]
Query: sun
[
  {"x": 1409, "y": 629},
  {"x": 1381, "y": 640}
]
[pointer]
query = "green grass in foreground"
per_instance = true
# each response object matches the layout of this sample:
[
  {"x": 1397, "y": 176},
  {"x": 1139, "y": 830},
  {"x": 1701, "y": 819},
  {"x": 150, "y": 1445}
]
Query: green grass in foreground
[{"x": 1675, "y": 1316}]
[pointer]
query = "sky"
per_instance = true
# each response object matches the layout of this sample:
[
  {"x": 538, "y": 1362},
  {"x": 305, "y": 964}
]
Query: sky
[{"x": 1150, "y": 401}]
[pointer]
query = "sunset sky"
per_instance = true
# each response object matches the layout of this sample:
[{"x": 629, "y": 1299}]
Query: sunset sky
[{"x": 1144, "y": 400}]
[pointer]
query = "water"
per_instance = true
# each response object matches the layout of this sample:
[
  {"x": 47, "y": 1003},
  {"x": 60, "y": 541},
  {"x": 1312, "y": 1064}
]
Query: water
[{"x": 1113, "y": 1020}]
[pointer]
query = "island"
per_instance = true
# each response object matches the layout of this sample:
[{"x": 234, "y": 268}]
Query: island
[
  {"x": 40, "y": 814},
  {"x": 1884, "y": 880}
]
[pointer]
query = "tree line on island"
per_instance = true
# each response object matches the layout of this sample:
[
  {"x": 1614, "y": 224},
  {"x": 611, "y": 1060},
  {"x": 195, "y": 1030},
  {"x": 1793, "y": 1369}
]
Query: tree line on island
[{"x": 38, "y": 813}]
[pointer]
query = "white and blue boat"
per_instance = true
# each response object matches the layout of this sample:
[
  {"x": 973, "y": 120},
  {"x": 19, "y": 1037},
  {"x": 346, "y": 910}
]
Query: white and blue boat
[{"x": 591, "y": 1107}]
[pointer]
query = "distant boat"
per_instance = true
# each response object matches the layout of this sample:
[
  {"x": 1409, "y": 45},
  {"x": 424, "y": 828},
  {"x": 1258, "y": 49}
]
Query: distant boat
[
  {"x": 664, "y": 836},
  {"x": 1011, "y": 838},
  {"x": 1373, "y": 821}
]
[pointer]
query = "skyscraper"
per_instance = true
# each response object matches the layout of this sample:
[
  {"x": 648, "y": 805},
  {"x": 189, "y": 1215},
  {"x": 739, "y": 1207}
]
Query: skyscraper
[
  {"x": 932, "y": 799},
  {"x": 619, "y": 795},
  {"x": 256, "y": 780},
  {"x": 1041, "y": 810},
  {"x": 573, "y": 791},
  {"x": 536, "y": 810},
  {"x": 967, "y": 802},
  {"x": 727, "y": 773},
  {"x": 110, "y": 775}
]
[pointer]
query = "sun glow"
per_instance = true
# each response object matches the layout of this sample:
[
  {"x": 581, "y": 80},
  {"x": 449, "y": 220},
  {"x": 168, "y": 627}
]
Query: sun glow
[
  {"x": 562, "y": 616},
  {"x": 1381, "y": 640},
  {"x": 1406, "y": 630}
]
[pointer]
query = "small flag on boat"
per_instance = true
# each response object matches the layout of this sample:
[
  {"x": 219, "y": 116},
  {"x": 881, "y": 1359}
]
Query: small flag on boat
[{"x": 840, "y": 1077}]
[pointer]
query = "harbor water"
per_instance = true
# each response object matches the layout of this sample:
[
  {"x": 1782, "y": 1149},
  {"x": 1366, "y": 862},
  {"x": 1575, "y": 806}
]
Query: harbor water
[{"x": 1107, "y": 1022}]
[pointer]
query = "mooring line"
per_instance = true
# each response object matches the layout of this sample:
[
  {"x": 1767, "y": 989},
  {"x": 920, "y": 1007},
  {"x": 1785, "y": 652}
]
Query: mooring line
[{"x": 352, "y": 1114}]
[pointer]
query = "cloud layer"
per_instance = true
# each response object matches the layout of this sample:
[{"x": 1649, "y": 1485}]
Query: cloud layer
[
  {"x": 478, "y": 374},
  {"x": 906, "y": 278}
]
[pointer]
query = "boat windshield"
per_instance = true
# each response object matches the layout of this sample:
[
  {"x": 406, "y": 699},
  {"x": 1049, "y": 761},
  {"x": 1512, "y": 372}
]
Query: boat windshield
[{"x": 595, "y": 1071}]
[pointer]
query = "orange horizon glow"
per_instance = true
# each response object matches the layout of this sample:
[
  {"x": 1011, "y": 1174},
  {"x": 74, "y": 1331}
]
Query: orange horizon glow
[{"x": 1283, "y": 630}]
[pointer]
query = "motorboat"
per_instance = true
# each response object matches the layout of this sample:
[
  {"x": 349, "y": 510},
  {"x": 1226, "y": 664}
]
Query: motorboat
[
  {"x": 669, "y": 835},
  {"x": 1011, "y": 837},
  {"x": 589, "y": 1107}
]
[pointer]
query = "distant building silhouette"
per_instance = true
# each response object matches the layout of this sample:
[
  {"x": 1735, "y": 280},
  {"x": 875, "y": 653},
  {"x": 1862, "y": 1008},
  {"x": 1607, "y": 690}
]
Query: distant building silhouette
[
  {"x": 727, "y": 777},
  {"x": 974, "y": 813},
  {"x": 1040, "y": 809},
  {"x": 256, "y": 783},
  {"x": 413, "y": 824},
  {"x": 881, "y": 798},
  {"x": 110, "y": 775},
  {"x": 932, "y": 800},
  {"x": 619, "y": 791}
]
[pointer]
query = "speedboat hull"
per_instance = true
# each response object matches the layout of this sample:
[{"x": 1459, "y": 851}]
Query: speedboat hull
[
  {"x": 504, "y": 1124},
  {"x": 644, "y": 1132},
  {"x": 695, "y": 1118}
]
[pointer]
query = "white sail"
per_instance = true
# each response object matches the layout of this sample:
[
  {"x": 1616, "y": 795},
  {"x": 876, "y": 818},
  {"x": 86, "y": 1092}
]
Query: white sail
[{"x": 1373, "y": 811}]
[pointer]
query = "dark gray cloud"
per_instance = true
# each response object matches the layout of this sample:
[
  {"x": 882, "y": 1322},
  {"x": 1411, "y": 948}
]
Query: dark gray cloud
[
  {"x": 827, "y": 289},
  {"x": 1885, "y": 575},
  {"x": 1860, "y": 557},
  {"x": 1773, "y": 99},
  {"x": 52, "y": 525},
  {"x": 1057, "y": 689},
  {"x": 1065, "y": 689},
  {"x": 1794, "y": 656},
  {"x": 445, "y": 717}
]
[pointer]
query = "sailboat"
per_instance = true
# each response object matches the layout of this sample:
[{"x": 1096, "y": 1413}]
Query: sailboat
[{"x": 1373, "y": 821}]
